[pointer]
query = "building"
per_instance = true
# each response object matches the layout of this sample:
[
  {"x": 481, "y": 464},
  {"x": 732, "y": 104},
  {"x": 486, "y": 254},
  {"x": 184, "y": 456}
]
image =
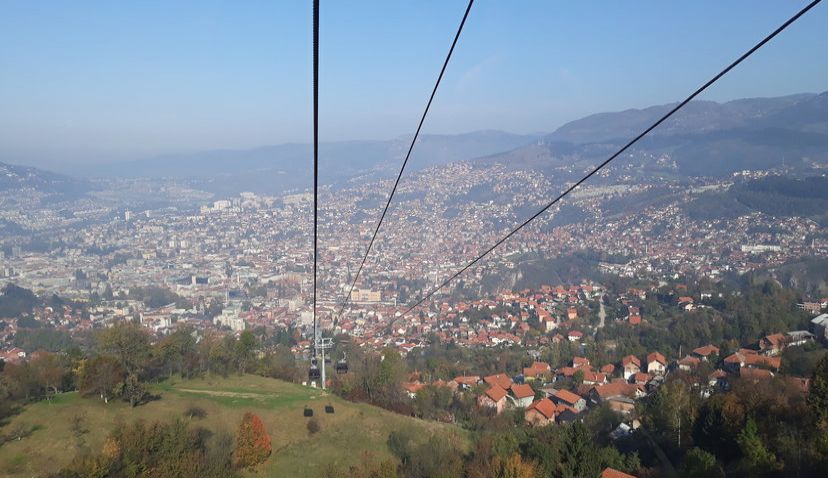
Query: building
[
  {"x": 819, "y": 326},
  {"x": 540, "y": 413},
  {"x": 569, "y": 399},
  {"x": 631, "y": 365},
  {"x": 365, "y": 295},
  {"x": 522, "y": 395},
  {"x": 656, "y": 364},
  {"x": 494, "y": 397}
]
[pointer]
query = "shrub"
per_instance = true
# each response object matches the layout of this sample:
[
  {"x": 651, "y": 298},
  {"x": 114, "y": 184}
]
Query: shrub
[
  {"x": 252, "y": 442},
  {"x": 195, "y": 412},
  {"x": 313, "y": 426}
]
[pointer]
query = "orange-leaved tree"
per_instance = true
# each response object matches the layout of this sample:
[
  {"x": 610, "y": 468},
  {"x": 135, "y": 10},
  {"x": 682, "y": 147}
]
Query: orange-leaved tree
[{"x": 252, "y": 442}]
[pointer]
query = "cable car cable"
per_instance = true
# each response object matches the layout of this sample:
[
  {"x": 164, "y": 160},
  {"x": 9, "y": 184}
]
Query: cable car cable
[
  {"x": 619, "y": 152},
  {"x": 407, "y": 156}
]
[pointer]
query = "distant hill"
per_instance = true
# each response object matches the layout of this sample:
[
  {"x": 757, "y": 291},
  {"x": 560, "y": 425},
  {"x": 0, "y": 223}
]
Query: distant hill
[
  {"x": 13, "y": 177},
  {"x": 270, "y": 169},
  {"x": 704, "y": 139},
  {"x": 778, "y": 196}
]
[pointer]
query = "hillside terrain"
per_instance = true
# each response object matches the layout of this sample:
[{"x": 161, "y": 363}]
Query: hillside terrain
[{"x": 344, "y": 435}]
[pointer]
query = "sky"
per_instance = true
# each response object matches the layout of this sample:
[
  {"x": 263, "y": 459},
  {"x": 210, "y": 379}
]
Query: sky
[{"x": 99, "y": 81}]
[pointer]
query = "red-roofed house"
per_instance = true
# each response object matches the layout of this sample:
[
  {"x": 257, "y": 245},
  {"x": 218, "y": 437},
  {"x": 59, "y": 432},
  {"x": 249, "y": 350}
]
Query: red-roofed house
[
  {"x": 495, "y": 397},
  {"x": 523, "y": 395},
  {"x": 705, "y": 352},
  {"x": 656, "y": 363},
  {"x": 540, "y": 413},
  {"x": 501, "y": 379},
  {"x": 632, "y": 365},
  {"x": 613, "y": 473},
  {"x": 569, "y": 399}
]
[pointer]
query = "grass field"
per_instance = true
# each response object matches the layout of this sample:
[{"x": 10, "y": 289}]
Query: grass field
[{"x": 344, "y": 435}]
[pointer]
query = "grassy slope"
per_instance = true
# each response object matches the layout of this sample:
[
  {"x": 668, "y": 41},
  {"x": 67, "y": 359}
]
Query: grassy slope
[{"x": 344, "y": 435}]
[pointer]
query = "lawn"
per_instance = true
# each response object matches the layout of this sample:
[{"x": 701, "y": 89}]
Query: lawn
[{"x": 344, "y": 435}]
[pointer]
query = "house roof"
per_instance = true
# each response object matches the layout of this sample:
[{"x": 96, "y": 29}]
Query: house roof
[
  {"x": 706, "y": 350},
  {"x": 544, "y": 406},
  {"x": 656, "y": 357},
  {"x": 496, "y": 393},
  {"x": 631, "y": 359},
  {"x": 567, "y": 397},
  {"x": 615, "y": 389},
  {"x": 613, "y": 473},
  {"x": 522, "y": 391},
  {"x": 500, "y": 379},
  {"x": 755, "y": 373}
]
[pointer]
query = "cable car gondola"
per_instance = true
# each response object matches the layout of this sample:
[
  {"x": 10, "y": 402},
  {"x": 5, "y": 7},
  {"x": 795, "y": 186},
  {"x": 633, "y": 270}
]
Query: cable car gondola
[
  {"x": 313, "y": 373},
  {"x": 342, "y": 366}
]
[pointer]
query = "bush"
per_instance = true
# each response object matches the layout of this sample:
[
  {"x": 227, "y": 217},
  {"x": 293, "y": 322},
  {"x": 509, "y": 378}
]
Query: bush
[
  {"x": 195, "y": 412},
  {"x": 252, "y": 442},
  {"x": 313, "y": 426}
]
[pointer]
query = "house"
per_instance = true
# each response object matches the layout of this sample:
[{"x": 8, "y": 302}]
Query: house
[
  {"x": 750, "y": 358},
  {"x": 540, "y": 413},
  {"x": 569, "y": 399},
  {"x": 608, "y": 369},
  {"x": 580, "y": 362},
  {"x": 538, "y": 370},
  {"x": 465, "y": 382},
  {"x": 718, "y": 379},
  {"x": 522, "y": 395},
  {"x": 494, "y": 397},
  {"x": 688, "y": 363},
  {"x": 631, "y": 365},
  {"x": 412, "y": 388},
  {"x": 656, "y": 363},
  {"x": 575, "y": 335},
  {"x": 799, "y": 337},
  {"x": 755, "y": 375},
  {"x": 640, "y": 378},
  {"x": 772, "y": 345},
  {"x": 706, "y": 352},
  {"x": 819, "y": 326},
  {"x": 619, "y": 396},
  {"x": 592, "y": 378},
  {"x": 501, "y": 379},
  {"x": 613, "y": 473},
  {"x": 572, "y": 313},
  {"x": 634, "y": 319}
]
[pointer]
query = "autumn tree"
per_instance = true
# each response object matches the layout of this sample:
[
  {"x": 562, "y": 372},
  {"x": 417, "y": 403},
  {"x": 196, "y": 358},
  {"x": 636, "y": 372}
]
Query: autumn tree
[
  {"x": 100, "y": 376},
  {"x": 252, "y": 442},
  {"x": 49, "y": 371}
]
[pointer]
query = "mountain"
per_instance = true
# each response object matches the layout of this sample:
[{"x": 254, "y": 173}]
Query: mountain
[
  {"x": 703, "y": 139},
  {"x": 56, "y": 186},
  {"x": 271, "y": 169}
]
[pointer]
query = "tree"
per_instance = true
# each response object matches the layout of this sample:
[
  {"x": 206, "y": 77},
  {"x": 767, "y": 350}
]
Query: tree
[
  {"x": 698, "y": 463},
  {"x": 127, "y": 342},
  {"x": 252, "y": 442},
  {"x": 100, "y": 376},
  {"x": 514, "y": 467},
  {"x": 757, "y": 460},
  {"x": 818, "y": 393},
  {"x": 133, "y": 390},
  {"x": 49, "y": 372},
  {"x": 243, "y": 350}
]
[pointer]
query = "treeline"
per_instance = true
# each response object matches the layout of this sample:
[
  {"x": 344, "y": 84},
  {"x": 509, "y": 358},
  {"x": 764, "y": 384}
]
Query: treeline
[
  {"x": 175, "y": 449},
  {"x": 765, "y": 429},
  {"x": 505, "y": 450},
  {"x": 123, "y": 359},
  {"x": 741, "y": 316}
]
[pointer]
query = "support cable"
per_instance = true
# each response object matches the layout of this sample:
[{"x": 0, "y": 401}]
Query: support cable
[{"x": 618, "y": 153}]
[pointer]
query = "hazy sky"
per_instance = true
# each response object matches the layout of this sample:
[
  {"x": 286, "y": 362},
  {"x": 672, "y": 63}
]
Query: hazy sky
[{"x": 100, "y": 81}]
